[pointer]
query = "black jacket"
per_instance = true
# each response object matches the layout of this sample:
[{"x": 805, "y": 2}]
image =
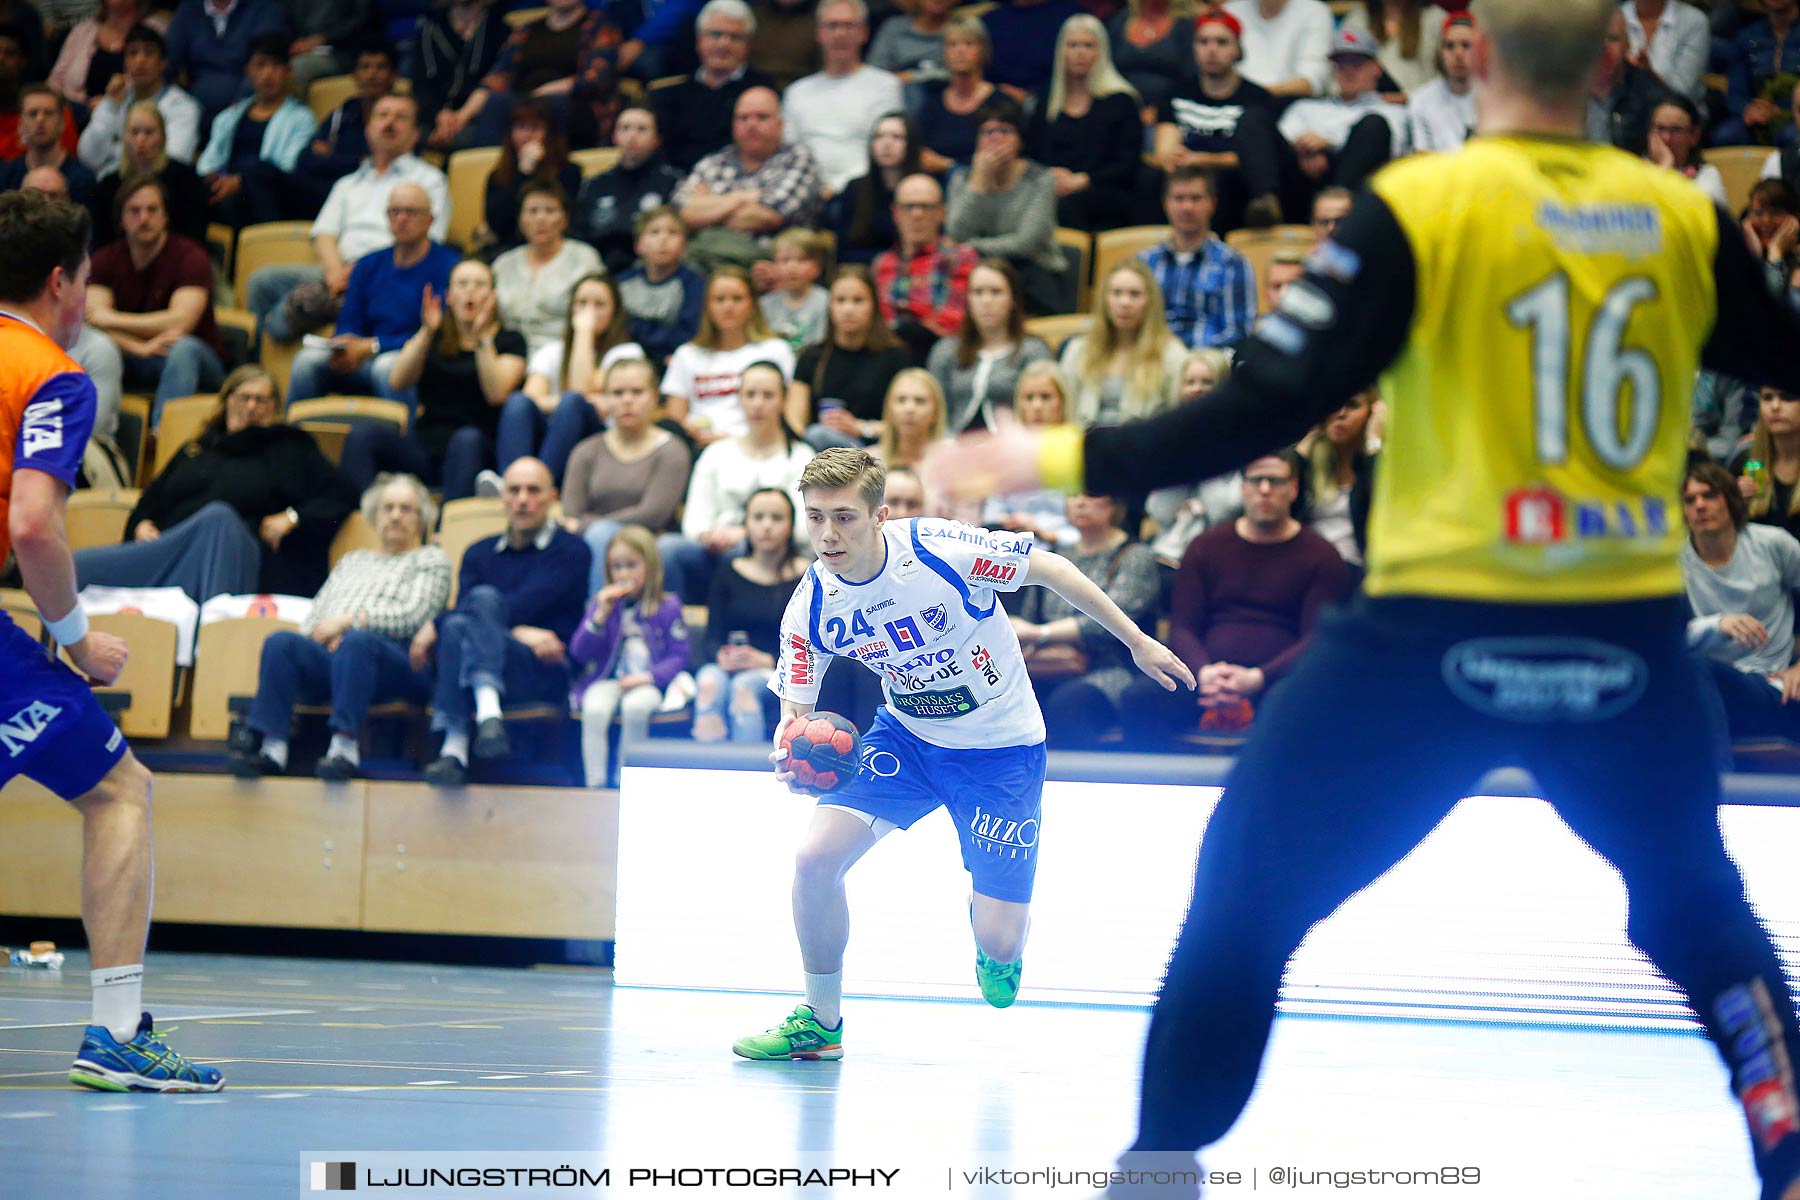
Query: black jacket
[{"x": 609, "y": 204}]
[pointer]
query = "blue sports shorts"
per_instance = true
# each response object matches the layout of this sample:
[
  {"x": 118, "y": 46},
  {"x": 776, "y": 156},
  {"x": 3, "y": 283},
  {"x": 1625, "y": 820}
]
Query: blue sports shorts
[{"x": 51, "y": 727}]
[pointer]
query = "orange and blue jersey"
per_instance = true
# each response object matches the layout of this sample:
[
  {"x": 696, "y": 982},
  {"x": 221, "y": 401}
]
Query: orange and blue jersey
[{"x": 47, "y": 407}]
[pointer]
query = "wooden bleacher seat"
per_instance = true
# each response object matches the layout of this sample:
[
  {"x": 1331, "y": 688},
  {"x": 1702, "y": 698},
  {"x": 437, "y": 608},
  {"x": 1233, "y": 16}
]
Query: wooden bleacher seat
[
  {"x": 277, "y": 359},
  {"x": 227, "y": 663},
  {"x": 468, "y": 173},
  {"x": 349, "y": 410},
  {"x": 149, "y": 674},
  {"x": 224, "y": 237},
  {"x": 181, "y": 422},
  {"x": 665, "y": 81},
  {"x": 329, "y": 91},
  {"x": 1058, "y": 329},
  {"x": 97, "y": 516},
  {"x": 595, "y": 161},
  {"x": 270, "y": 244},
  {"x": 1081, "y": 243},
  {"x": 354, "y": 534},
  {"x": 521, "y": 17},
  {"x": 242, "y": 327},
  {"x": 133, "y": 435},
  {"x": 1114, "y": 246},
  {"x": 465, "y": 522},
  {"x": 1740, "y": 167},
  {"x": 17, "y": 604}
]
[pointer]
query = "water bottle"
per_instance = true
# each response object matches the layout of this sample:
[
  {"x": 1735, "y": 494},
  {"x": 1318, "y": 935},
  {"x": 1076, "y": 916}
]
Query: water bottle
[
  {"x": 40, "y": 954},
  {"x": 1757, "y": 471}
]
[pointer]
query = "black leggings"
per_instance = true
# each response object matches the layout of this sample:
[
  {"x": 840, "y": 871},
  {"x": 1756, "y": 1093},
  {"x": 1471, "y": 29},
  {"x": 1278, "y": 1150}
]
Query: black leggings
[{"x": 1394, "y": 714}]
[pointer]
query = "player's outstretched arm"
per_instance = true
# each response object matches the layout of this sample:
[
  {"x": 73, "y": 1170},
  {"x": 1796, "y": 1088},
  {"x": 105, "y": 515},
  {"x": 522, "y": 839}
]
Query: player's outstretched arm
[
  {"x": 1154, "y": 659},
  {"x": 41, "y": 542}
]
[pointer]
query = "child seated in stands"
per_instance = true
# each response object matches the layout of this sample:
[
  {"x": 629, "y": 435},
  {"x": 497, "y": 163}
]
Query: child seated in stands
[
  {"x": 663, "y": 297},
  {"x": 1040, "y": 401},
  {"x": 795, "y": 310},
  {"x": 632, "y": 646}
]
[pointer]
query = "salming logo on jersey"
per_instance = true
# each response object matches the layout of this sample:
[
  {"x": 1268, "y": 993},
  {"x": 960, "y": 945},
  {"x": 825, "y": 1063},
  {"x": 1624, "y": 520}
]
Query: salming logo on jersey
[{"x": 23, "y": 727}]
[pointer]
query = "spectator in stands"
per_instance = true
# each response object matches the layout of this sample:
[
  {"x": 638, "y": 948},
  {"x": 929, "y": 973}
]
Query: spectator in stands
[
  {"x": 1005, "y": 206},
  {"x": 1760, "y": 66},
  {"x": 341, "y": 141},
  {"x": 93, "y": 350},
  {"x": 249, "y": 162},
  {"x": 325, "y": 37},
  {"x": 1027, "y": 29},
  {"x": 912, "y": 418},
  {"x": 700, "y": 389},
  {"x": 1287, "y": 45},
  {"x": 12, "y": 78},
  {"x": 1152, "y": 46},
  {"x": 1128, "y": 364},
  {"x": 695, "y": 115},
  {"x": 534, "y": 152},
  {"x": 1042, "y": 401},
  {"x": 739, "y": 197},
  {"x": 143, "y": 156},
  {"x": 567, "y": 58},
  {"x": 1285, "y": 269},
  {"x": 910, "y": 43},
  {"x": 1246, "y": 599},
  {"x": 209, "y": 43},
  {"x": 146, "y": 62},
  {"x": 1080, "y": 671},
  {"x": 1088, "y": 131},
  {"x": 839, "y": 385},
  {"x": 151, "y": 293},
  {"x": 947, "y": 115},
  {"x": 1784, "y": 164},
  {"x": 979, "y": 368},
  {"x": 630, "y": 646},
  {"x": 250, "y": 505},
  {"x": 832, "y": 112},
  {"x": 1184, "y": 513},
  {"x": 1407, "y": 34},
  {"x": 459, "y": 44},
  {"x": 1209, "y": 289},
  {"x": 1672, "y": 40},
  {"x": 743, "y": 622},
  {"x": 1772, "y": 226},
  {"x": 767, "y": 454},
  {"x": 1725, "y": 411},
  {"x": 536, "y": 279},
  {"x": 905, "y": 495},
  {"x": 1345, "y": 139},
  {"x": 633, "y": 473},
  {"x": 355, "y": 221},
  {"x": 1221, "y": 122},
  {"x": 519, "y": 599},
  {"x": 351, "y": 650},
  {"x": 1740, "y": 579},
  {"x": 463, "y": 366},
  {"x": 1340, "y": 475},
  {"x": 923, "y": 282},
  {"x": 381, "y": 307},
  {"x": 1329, "y": 208},
  {"x": 663, "y": 296},
  {"x": 1775, "y": 445},
  {"x": 863, "y": 215},
  {"x": 94, "y": 51},
  {"x": 553, "y": 413},
  {"x": 41, "y": 121},
  {"x": 1621, "y": 96},
  {"x": 1441, "y": 114},
  {"x": 785, "y": 42},
  {"x": 609, "y": 204},
  {"x": 795, "y": 308},
  {"x": 1674, "y": 143}
]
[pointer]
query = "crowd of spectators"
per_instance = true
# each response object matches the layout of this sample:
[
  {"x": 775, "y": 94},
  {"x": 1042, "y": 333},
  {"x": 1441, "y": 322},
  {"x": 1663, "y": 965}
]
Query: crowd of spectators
[{"x": 828, "y": 225}]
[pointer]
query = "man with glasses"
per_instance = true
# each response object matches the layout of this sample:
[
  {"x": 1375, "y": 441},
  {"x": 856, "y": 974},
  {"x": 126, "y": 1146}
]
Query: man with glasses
[
  {"x": 1246, "y": 598},
  {"x": 832, "y": 112},
  {"x": 381, "y": 307},
  {"x": 1621, "y": 97},
  {"x": 695, "y": 114},
  {"x": 923, "y": 282}
]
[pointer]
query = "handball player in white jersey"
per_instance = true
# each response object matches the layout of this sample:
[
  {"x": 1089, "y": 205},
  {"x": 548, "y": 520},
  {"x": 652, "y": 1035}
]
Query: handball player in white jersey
[{"x": 915, "y": 601}]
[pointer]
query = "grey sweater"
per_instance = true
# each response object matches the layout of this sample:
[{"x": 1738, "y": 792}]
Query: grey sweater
[
  {"x": 961, "y": 404},
  {"x": 1017, "y": 224},
  {"x": 1763, "y": 571}
]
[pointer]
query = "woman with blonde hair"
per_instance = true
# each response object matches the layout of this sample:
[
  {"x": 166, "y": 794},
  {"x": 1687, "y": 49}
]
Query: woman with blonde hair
[
  {"x": 1088, "y": 131},
  {"x": 1128, "y": 364},
  {"x": 1340, "y": 476},
  {"x": 1152, "y": 45},
  {"x": 1769, "y": 469},
  {"x": 912, "y": 418},
  {"x": 144, "y": 153},
  {"x": 949, "y": 115},
  {"x": 700, "y": 389},
  {"x": 1185, "y": 512}
]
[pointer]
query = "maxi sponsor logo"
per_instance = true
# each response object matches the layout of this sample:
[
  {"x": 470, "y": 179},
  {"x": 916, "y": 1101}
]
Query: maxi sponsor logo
[
  {"x": 800, "y": 670},
  {"x": 992, "y": 571}
]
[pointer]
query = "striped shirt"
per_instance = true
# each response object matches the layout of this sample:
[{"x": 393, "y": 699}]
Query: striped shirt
[
  {"x": 1209, "y": 296},
  {"x": 396, "y": 593}
]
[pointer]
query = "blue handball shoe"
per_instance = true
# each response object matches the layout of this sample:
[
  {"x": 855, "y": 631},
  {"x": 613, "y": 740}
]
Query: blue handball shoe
[{"x": 144, "y": 1064}]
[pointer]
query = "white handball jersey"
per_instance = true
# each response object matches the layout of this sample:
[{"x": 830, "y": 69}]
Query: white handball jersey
[{"x": 930, "y": 625}]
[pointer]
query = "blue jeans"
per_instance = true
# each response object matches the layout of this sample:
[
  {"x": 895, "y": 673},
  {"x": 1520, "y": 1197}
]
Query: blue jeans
[
  {"x": 312, "y": 378},
  {"x": 365, "y": 668},
  {"x": 267, "y": 301},
  {"x": 735, "y": 696},
  {"x": 190, "y": 367},
  {"x": 475, "y": 650},
  {"x": 527, "y": 431},
  {"x": 212, "y": 553},
  {"x": 599, "y": 536},
  {"x": 371, "y": 449}
]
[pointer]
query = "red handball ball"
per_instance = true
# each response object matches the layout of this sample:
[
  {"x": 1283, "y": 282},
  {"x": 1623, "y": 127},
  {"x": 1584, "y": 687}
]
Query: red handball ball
[{"x": 823, "y": 750}]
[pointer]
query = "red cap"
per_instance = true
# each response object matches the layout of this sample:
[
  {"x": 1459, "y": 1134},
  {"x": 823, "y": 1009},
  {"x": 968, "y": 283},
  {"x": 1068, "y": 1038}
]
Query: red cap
[
  {"x": 1459, "y": 17},
  {"x": 1219, "y": 16}
]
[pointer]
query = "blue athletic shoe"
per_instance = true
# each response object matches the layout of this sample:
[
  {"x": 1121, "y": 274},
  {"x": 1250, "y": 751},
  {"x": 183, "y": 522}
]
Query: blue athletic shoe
[{"x": 144, "y": 1064}]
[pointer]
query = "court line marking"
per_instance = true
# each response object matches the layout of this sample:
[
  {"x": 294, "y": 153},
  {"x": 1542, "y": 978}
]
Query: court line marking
[
  {"x": 27, "y": 1116},
  {"x": 183, "y": 1018},
  {"x": 446, "y": 1085}
]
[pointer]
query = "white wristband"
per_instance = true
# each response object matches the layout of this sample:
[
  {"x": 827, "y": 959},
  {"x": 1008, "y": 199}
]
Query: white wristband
[{"x": 71, "y": 628}]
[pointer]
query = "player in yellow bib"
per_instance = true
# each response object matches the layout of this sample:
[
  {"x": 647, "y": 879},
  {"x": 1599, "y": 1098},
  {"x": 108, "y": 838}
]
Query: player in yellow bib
[{"x": 1535, "y": 308}]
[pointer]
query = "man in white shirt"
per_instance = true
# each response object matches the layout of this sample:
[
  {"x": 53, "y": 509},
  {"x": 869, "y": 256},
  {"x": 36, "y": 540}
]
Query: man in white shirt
[
  {"x": 832, "y": 112},
  {"x": 1344, "y": 140},
  {"x": 146, "y": 57},
  {"x": 1671, "y": 40},
  {"x": 1286, "y": 45},
  {"x": 354, "y": 220},
  {"x": 1442, "y": 113}
]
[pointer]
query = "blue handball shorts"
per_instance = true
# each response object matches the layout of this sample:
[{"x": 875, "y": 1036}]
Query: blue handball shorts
[
  {"x": 51, "y": 727},
  {"x": 994, "y": 796}
]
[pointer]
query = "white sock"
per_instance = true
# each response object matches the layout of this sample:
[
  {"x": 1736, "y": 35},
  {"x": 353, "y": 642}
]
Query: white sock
[
  {"x": 487, "y": 702},
  {"x": 343, "y": 745},
  {"x": 118, "y": 999},
  {"x": 276, "y": 750},
  {"x": 823, "y": 995},
  {"x": 456, "y": 745}
]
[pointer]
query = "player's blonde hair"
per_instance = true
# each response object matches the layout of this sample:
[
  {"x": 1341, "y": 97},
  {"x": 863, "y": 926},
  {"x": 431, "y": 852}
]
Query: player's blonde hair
[
  {"x": 842, "y": 467},
  {"x": 1548, "y": 48}
]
